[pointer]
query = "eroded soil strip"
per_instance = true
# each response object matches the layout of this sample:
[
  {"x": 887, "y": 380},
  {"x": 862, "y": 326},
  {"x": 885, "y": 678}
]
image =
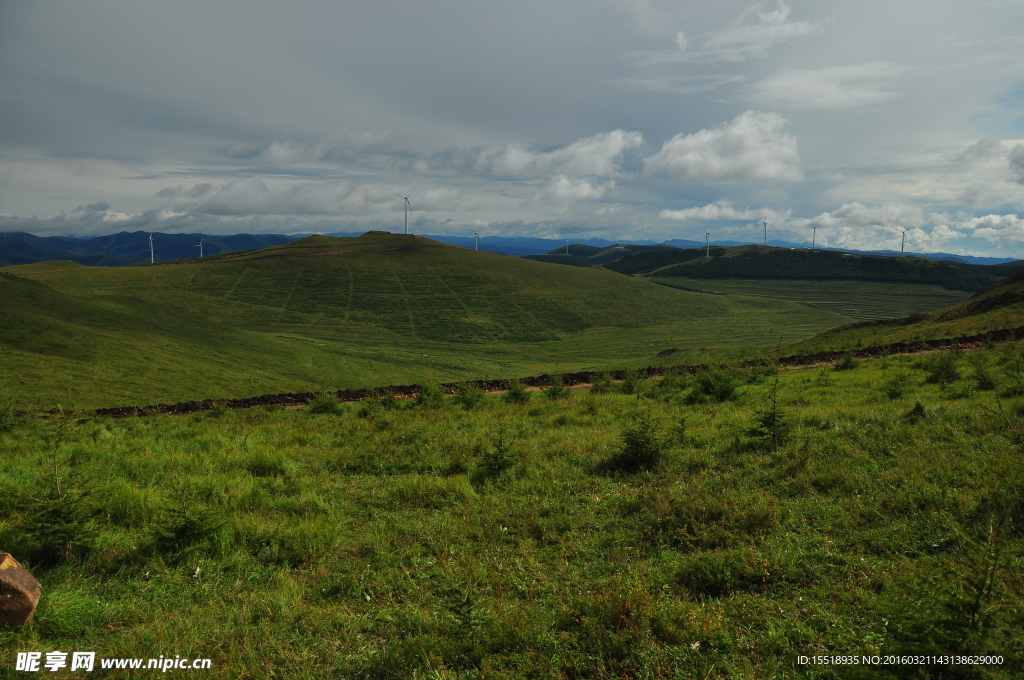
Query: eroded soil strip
[{"x": 568, "y": 379}]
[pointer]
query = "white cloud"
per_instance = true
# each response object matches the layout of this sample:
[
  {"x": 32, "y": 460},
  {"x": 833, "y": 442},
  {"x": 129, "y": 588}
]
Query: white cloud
[
  {"x": 597, "y": 156},
  {"x": 753, "y": 32},
  {"x": 723, "y": 210},
  {"x": 752, "y": 146},
  {"x": 996, "y": 228},
  {"x": 573, "y": 189},
  {"x": 833, "y": 87},
  {"x": 893, "y": 217}
]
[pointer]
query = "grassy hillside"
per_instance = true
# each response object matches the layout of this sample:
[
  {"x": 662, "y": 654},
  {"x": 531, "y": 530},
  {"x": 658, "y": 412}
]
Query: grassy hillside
[
  {"x": 877, "y": 512},
  {"x": 580, "y": 255},
  {"x": 856, "y": 299},
  {"x": 359, "y": 312},
  {"x": 759, "y": 262},
  {"x": 998, "y": 307}
]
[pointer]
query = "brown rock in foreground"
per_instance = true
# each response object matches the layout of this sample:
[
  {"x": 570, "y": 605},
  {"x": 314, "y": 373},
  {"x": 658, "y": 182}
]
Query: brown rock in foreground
[{"x": 19, "y": 592}]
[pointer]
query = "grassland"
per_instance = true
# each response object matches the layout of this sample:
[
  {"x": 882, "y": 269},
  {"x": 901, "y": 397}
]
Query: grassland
[
  {"x": 376, "y": 310},
  {"x": 767, "y": 262},
  {"x": 869, "y": 511},
  {"x": 857, "y": 300}
]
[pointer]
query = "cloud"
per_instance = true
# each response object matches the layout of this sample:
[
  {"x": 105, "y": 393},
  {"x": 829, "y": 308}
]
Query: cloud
[
  {"x": 893, "y": 217},
  {"x": 752, "y": 146},
  {"x": 179, "y": 191},
  {"x": 753, "y": 32},
  {"x": 833, "y": 87},
  {"x": 722, "y": 210},
  {"x": 1016, "y": 160},
  {"x": 563, "y": 188},
  {"x": 996, "y": 227},
  {"x": 597, "y": 156},
  {"x": 101, "y": 206}
]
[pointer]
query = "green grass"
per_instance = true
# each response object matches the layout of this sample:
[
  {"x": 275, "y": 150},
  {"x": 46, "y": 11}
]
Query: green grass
[
  {"x": 857, "y": 300},
  {"x": 376, "y": 310},
  {"x": 520, "y": 541}
]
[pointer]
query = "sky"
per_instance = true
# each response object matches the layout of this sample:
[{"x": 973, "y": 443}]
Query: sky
[{"x": 617, "y": 119}]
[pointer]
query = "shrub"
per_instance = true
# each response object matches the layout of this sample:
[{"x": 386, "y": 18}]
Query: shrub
[
  {"x": 714, "y": 386},
  {"x": 846, "y": 363},
  {"x": 430, "y": 395},
  {"x": 602, "y": 384},
  {"x": 516, "y": 393},
  {"x": 632, "y": 383},
  {"x": 323, "y": 403},
  {"x": 642, "y": 445},
  {"x": 469, "y": 396},
  {"x": 941, "y": 368},
  {"x": 556, "y": 388}
]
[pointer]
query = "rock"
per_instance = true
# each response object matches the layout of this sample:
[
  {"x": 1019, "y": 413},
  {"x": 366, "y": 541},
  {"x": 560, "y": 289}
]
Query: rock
[{"x": 19, "y": 592}]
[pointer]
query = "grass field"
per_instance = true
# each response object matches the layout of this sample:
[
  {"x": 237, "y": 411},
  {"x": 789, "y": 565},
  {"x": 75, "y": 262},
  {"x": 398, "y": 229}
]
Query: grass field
[
  {"x": 343, "y": 313},
  {"x": 717, "y": 526},
  {"x": 857, "y": 300}
]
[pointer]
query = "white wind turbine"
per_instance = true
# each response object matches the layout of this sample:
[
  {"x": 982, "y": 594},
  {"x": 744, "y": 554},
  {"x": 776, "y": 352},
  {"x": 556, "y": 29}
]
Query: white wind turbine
[
  {"x": 903, "y": 244},
  {"x": 408, "y": 206},
  {"x": 814, "y": 236},
  {"x": 765, "y": 220},
  {"x": 151, "y": 248},
  {"x": 707, "y": 243},
  {"x": 200, "y": 246},
  {"x": 477, "y": 234}
]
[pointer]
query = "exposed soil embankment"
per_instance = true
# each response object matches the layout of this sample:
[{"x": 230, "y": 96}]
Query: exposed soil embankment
[{"x": 568, "y": 379}]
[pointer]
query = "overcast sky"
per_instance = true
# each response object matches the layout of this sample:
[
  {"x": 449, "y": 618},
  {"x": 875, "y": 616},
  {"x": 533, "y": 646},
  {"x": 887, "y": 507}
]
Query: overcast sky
[{"x": 622, "y": 119}]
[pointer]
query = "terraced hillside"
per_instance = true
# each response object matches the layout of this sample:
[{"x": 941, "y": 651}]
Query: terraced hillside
[{"x": 379, "y": 309}]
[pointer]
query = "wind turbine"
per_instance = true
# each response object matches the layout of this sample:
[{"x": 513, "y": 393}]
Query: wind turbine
[
  {"x": 408, "y": 206},
  {"x": 566, "y": 246},
  {"x": 814, "y": 235},
  {"x": 707, "y": 243},
  {"x": 765, "y": 220},
  {"x": 151, "y": 248},
  {"x": 904, "y": 243},
  {"x": 477, "y": 246},
  {"x": 200, "y": 246}
]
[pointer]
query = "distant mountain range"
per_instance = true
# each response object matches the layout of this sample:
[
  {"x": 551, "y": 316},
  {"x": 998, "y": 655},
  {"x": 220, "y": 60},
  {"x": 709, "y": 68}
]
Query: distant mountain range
[{"x": 127, "y": 248}]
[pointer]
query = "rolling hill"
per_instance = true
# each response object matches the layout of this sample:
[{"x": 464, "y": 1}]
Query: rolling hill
[
  {"x": 581, "y": 255},
  {"x": 770, "y": 263},
  {"x": 998, "y": 307},
  {"x": 353, "y": 312}
]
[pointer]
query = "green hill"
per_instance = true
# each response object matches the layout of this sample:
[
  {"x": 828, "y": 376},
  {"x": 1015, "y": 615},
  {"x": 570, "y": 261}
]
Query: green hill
[
  {"x": 995, "y": 308},
  {"x": 761, "y": 262},
  {"x": 581, "y": 255},
  {"x": 355, "y": 312}
]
